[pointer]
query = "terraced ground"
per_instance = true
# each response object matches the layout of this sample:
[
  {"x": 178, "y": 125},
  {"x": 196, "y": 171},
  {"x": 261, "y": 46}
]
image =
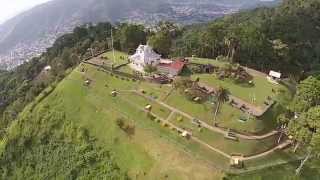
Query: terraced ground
[
  {"x": 256, "y": 95},
  {"x": 153, "y": 150}
]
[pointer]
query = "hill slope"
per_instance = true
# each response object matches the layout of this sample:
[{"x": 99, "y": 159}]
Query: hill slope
[{"x": 82, "y": 123}]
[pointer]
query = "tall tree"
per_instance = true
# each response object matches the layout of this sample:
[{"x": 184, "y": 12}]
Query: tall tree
[
  {"x": 308, "y": 95},
  {"x": 161, "y": 42},
  {"x": 222, "y": 96},
  {"x": 306, "y": 131},
  {"x": 131, "y": 36}
]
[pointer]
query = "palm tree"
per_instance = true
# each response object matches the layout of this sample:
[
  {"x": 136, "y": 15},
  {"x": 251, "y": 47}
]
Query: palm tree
[{"x": 222, "y": 95}]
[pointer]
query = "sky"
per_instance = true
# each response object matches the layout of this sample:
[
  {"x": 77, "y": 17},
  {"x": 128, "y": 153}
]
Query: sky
[{"x": 10, "y": 8}]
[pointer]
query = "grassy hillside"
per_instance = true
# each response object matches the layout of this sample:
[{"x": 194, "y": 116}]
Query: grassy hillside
[
  {"x": 90, "y": 127},
  {"x": 78, "y": 130},
  {"x": 81, "y": 122}
]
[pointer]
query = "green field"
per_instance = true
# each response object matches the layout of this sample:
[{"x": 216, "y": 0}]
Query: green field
[
  {"x": 256, "y": 95},
  {"x": 245, "y": 147},
  {"x": 146, "y": 154},
  {"x": 153, "y": 150},
  {"x": 120, "y": 57},
  {"x": 227, "y": 117},
  {"x": 141, "y": 102},
  {"x": 207, "y": 61},
  {"x": 125, "y": 69}
]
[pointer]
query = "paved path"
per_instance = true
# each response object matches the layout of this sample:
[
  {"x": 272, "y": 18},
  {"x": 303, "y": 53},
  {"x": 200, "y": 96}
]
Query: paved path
[{"x": 204, "y": 124}]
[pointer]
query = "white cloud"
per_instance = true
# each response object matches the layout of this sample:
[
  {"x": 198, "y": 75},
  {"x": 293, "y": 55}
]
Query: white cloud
[{"x": 10, "y": 8}]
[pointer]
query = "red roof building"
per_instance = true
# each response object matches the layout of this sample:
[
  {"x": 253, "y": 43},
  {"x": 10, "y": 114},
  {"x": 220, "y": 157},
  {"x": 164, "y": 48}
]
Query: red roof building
[{"x": 172, "y": 69}]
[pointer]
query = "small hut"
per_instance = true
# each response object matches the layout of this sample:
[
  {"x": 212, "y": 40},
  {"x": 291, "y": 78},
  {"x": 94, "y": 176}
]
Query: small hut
[
  {"x": 148, "y": 107},
  {"x": 114, "y": 93},
  {"x": 87, "y": 82},
  {"x": 274, "y": 77},
  {"x": 236, "y": 161},
  {"x": 185, "y": 134}
]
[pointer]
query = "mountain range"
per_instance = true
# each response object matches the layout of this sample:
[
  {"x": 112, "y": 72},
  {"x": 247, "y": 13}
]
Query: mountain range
[{"x": 30, "y": 33}]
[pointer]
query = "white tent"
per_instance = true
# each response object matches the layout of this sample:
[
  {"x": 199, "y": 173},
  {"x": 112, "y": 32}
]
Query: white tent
[
  {"x": 274, "y": 77},
  {"x": 274, "y": 74}
]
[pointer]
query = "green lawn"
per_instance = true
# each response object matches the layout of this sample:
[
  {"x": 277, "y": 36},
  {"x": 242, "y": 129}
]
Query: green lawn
[
  {"x": 120, "y": 57},
  {"x": 255, "y": 95},
  {"x": 245, "y": 147},
  {"x": 141, "y": 102},
  {"x": 152, "y": 146},
  {"x": 227, "y": 117},
  {"x": 207, "y": 61},
  {"x": 200, "y": 111},
  {"x": 126, "y": 69},
  {"x": 157, "y": 91},
  {"x": 153, "y": 150}
]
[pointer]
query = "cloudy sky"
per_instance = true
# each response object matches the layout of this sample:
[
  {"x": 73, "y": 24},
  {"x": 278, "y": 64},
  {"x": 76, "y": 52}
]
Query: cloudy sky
[{"x": 10, "y": 8}]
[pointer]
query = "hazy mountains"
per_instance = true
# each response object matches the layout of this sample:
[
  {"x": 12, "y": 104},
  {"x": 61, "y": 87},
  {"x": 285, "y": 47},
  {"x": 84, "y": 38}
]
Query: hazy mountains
[{"x": 31, "y": 32}]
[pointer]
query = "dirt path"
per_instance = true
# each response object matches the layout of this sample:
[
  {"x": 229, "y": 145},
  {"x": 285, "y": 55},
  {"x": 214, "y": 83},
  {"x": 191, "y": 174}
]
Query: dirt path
[
  {"x": 215, "y": 129},
  {"x": 279, "y": 147},
  {"x": 255, "y": 72},
  {"x": 170, "y": 116},
  {"x": 180, "y": 129}
]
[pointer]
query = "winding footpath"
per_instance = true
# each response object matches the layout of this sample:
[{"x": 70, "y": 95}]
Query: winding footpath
[
  {"x": 228, "y": 156},
  {"x": 218, "y": 130},
  {"x": 279, "y": 147},
  {"x": 215, "y": 129},
  {"x": 204, "y": 124}
]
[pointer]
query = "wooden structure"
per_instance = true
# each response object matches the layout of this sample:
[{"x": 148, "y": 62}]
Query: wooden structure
[
  {"x": 236, "y": 161},
  {"x": 274, "y": 77}
]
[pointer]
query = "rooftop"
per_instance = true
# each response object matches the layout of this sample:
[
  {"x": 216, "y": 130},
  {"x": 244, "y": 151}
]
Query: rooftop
[{"x": 177, "y": 65}]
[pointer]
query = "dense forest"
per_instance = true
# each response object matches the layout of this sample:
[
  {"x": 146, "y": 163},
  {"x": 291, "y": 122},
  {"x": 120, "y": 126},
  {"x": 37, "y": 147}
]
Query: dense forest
[
  {"x": 285, "y": 39},
  {"x": 38, "y": 143},
  {"x": 22, "y": 85}
]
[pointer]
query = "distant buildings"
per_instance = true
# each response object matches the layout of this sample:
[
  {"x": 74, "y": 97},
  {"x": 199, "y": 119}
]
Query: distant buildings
[{"x": 183, "y": 12}]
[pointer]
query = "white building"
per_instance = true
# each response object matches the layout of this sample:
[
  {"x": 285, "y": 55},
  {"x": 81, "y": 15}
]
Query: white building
[
  {"x": 274, "y": 77},
  {"x": 144, "y": 56}
]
